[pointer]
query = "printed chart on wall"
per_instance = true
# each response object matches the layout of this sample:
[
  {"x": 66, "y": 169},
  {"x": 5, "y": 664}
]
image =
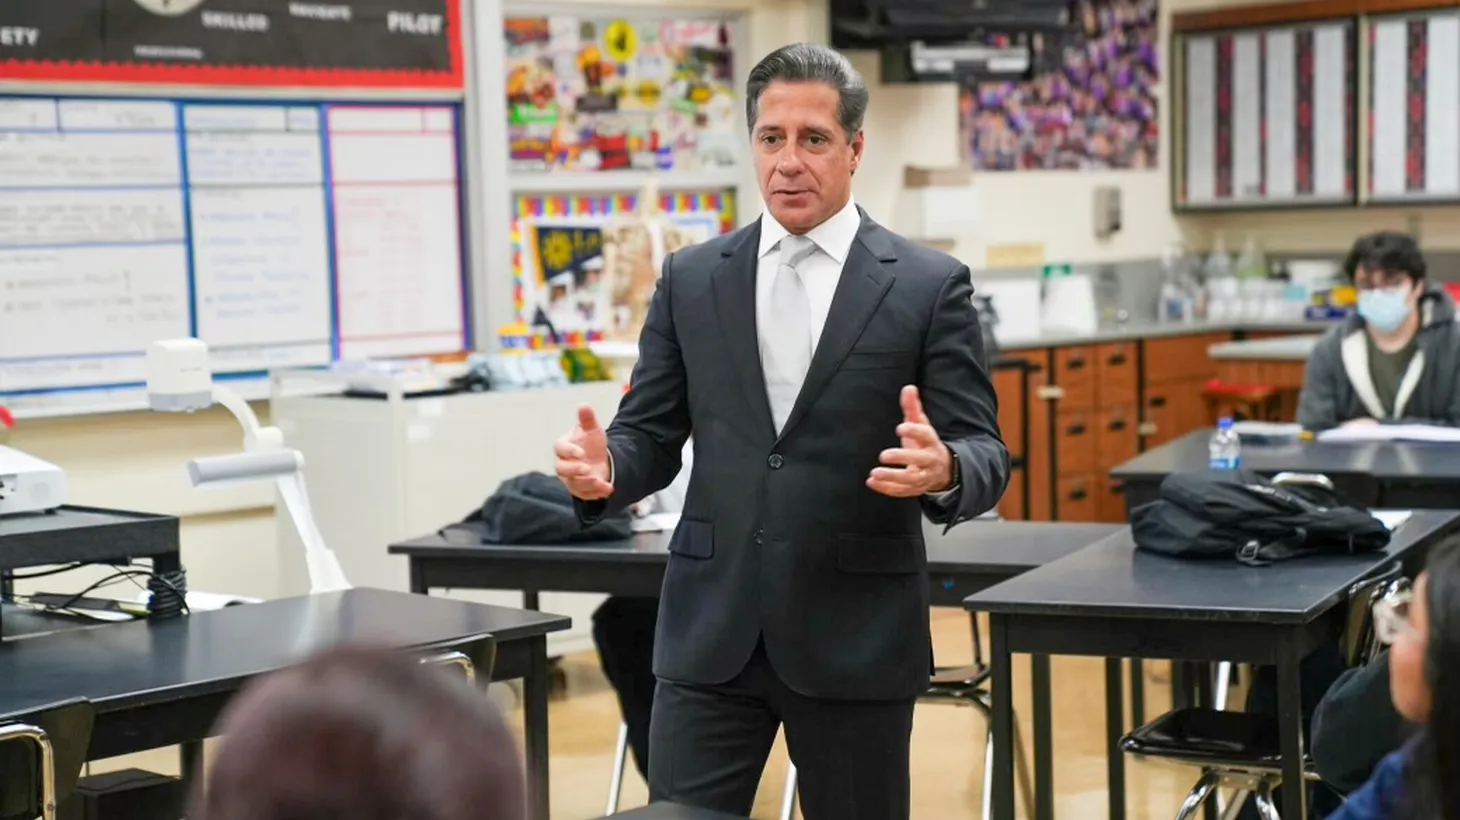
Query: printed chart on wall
[
  {"x": 584, "y": 266},
  {"x": 356, "y": 43},
  {"x": 1269, "y": 116},
  {"x": 1098, "y": 110},
  {"x": 283, "y": 234},
  {"x": 605, "y": 94},
  {"x": 1415, "y": 92}
]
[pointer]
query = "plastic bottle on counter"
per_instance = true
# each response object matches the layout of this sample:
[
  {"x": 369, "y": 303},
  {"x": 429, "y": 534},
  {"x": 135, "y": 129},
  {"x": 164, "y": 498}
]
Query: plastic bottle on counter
[{"x": 1224, "y": 450}]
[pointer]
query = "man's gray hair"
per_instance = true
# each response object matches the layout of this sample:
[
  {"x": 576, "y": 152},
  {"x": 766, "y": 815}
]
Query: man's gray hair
[{"x": 810, "y": 63}]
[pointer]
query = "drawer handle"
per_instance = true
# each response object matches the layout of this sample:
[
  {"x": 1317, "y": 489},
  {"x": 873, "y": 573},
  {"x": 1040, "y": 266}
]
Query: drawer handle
[
  {"x": 1158, "y": 401},
  {"x": 1117, "y": 425},
  {"x": 1117, "y": 489},
  {"x": 1147, "y": 429},
  {"x": 1078, "y": 495},
  {"x": 1075, "y": 430},
  {"x": 1117, "y": 359},
  {"x": 1050, "y": 393},
  {"x": 1075, "y": 364}
]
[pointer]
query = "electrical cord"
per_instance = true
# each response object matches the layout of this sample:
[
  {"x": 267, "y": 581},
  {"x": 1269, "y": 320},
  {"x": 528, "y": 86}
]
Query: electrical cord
[
  {"x": 168, "y": 589},
  {"x": 24, "y": 576}
]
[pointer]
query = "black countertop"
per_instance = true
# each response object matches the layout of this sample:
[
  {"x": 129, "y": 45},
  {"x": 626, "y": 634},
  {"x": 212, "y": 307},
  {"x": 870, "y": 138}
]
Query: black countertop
[
  {"x": 130, "y": 665},
  {"x": 1112, "y": 578},
  {"x": 1001, "y": 546},
  {"x": 84, "y": 534},
  {"x": 1382, "y": 460}
]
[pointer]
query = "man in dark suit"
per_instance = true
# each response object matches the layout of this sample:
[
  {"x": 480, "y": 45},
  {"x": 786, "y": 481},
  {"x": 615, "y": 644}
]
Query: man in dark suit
[{"x": 832, "y": 374}]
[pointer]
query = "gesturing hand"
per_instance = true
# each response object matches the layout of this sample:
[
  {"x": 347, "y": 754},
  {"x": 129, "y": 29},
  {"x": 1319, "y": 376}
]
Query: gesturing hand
[
  {"x": 922, "y": 464},
  {"x": 582, "y": 458}
]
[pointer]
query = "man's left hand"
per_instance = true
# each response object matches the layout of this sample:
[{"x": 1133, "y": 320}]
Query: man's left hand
[{"x": 922, "y": 464}]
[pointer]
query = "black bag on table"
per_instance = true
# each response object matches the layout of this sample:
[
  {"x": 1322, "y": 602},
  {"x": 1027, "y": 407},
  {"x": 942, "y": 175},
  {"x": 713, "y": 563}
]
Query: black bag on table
[
  {"x": 534, "y": 508},
  {"x": 1227, "y": 514}
]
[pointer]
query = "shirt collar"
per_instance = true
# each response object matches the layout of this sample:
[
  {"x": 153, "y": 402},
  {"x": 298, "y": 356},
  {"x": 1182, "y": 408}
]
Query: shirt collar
[{"x": 834, "y": 236}]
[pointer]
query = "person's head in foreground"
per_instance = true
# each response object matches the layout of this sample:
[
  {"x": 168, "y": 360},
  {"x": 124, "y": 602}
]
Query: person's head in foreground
[
  {"x": 1388, "y": 271},
  {"x": 361, "y": 734},
  {"x": 1423, "y": 629},
  {"x": 805, "y": 104}
]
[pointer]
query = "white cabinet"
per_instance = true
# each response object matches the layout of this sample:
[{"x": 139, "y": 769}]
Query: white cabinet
[{"x": 381, "y": 470}]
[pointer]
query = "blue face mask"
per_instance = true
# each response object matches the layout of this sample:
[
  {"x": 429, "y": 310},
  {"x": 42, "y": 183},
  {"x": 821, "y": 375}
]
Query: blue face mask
[{"x": 1384, "y": 309}]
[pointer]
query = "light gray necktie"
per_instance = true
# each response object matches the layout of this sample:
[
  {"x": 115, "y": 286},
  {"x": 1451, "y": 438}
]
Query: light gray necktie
[{"x": 785, "y": 333}]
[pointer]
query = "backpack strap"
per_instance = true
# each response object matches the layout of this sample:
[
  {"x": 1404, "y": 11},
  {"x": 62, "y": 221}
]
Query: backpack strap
[{"x": 1293, "y": 545}]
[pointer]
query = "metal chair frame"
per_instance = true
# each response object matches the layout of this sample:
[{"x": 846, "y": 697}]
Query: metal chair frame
[
  {"x": 1359, "y": 645},
  {"x": 15, "y": 732}
]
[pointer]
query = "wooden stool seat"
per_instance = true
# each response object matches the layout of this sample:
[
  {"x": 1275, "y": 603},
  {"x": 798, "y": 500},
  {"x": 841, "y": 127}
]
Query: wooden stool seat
[{"x": 1256, "y": 401}]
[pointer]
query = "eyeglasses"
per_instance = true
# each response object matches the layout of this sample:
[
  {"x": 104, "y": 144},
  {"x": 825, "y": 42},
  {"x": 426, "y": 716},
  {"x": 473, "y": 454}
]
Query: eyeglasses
[{"x": 1391, "y": 614}]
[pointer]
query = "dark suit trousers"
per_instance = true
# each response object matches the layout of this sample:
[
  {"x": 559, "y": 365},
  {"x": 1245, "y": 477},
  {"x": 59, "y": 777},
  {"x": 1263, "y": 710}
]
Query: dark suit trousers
[{"x": 708, "y": 746}]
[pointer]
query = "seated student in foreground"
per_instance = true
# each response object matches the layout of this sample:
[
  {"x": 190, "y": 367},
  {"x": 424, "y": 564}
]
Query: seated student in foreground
[
  {"x": 1399, "y": 359},
  {"x": 1421, "y": 781},
  {"x": 360, "y": 734}
]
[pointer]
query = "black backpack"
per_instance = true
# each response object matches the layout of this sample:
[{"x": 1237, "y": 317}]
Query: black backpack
[
  {"x": 1226, "y": 514},
  {"x": 534, "y": 508}
]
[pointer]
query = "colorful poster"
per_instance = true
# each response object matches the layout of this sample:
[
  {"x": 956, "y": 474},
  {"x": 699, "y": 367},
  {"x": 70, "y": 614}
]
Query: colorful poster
[
  {"x": 606, "y": 94},
  {"x": 361, "y": 43},
  {"x": 584, "y": 265},
  {"x": 1098, "y": 111}
]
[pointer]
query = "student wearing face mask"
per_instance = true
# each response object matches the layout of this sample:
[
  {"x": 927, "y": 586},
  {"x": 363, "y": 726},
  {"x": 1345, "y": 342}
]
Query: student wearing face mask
[{"x": 1399, "y": 358}]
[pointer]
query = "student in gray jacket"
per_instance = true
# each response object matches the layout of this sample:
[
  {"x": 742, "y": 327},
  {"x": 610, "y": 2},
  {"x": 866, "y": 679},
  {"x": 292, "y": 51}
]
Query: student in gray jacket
[{"x": 1399, "y": 358}]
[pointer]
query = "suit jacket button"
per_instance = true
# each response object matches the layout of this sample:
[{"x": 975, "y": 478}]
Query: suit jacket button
[
  {"x": 760, "y": 536},
  {"x": 775, "y": 461}
]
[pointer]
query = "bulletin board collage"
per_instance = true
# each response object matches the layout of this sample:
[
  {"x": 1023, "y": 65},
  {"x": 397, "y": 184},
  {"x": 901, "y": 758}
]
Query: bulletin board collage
[{"x": 606, "y": 96}]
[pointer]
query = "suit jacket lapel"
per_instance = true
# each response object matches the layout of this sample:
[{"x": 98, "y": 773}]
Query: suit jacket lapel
[
  {"x": 734, "y": 288},
  {"x": 864, "y": 281}
]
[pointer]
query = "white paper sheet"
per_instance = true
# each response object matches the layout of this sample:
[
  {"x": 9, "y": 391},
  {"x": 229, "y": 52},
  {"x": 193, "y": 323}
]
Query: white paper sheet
[
  {"x": 1394, "y": 432},
  {"x": 1391, "y": 519}
]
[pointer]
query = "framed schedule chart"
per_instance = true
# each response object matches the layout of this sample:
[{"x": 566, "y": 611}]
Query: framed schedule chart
[
  {"x": 1414, "y": 121},
  {"x": 1267, "y": 116},
  {"x": 282, "y": 233}
]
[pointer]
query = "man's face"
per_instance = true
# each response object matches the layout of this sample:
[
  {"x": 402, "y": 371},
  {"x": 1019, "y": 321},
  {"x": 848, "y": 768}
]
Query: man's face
[{"x": 803, "y": 159}]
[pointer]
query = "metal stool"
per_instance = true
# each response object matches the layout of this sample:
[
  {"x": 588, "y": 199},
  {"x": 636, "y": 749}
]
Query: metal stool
[{"x": 1236, "y": 748}]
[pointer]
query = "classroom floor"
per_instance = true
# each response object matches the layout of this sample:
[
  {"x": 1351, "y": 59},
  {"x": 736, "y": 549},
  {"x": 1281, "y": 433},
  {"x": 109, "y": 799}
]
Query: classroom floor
[{"x": 948, "y": 744}]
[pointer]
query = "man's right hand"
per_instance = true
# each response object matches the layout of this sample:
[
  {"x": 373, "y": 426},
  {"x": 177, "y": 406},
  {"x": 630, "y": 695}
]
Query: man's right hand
[{"x": 582, "y": 459}]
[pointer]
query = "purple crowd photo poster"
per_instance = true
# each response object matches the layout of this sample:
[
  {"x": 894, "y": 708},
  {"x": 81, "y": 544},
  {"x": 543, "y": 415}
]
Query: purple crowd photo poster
[{"x": 1098, "y": 111}]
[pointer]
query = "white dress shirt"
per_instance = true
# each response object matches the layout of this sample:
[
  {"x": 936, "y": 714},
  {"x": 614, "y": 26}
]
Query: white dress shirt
[{"x": 820, "y": 271}]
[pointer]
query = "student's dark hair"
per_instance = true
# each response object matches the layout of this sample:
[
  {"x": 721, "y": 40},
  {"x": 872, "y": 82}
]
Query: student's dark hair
[
  {"x": 1433, "y": 781},
  {"x": 1386, "y": 251},
  {"x": 363, "y": 734},
  {"x": 810, "y": 63}
]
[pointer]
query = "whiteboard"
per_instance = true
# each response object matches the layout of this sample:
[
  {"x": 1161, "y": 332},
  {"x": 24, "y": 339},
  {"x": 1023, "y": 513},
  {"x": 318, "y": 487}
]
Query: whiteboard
[{"x": 281, "y": 233}]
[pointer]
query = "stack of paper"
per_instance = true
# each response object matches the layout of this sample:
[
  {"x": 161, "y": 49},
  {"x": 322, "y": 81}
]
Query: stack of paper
[{"x": 1393, "y": 432}]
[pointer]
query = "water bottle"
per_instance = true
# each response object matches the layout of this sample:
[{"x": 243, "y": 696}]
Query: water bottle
[{"x": 1225, "y": 448}]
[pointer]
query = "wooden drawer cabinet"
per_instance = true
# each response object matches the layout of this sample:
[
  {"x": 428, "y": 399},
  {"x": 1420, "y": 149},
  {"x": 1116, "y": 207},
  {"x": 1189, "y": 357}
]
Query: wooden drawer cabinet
[
  {"x": 1075, "y": 439},
  {"x": 1117, "y": 376},
  {"x": 1110, "y": 508},
  {"x": 1074, "y": 372},
  {"x": 1079, "y": 497},
  {"x": 1117, "y": 436}
]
